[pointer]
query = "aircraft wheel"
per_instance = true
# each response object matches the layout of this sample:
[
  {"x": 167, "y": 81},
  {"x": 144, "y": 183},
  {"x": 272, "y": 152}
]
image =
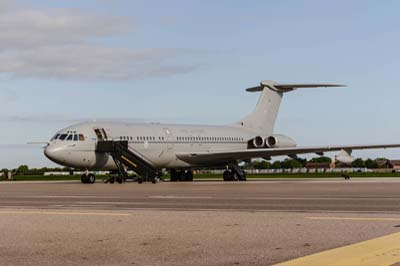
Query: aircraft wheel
[
  {"x": 119, "y": 180},
  {"x": 182, "y": 176},
  {"x": 91, "y": 179},
  {"x": 174, "y": 175},
  {"x": 189, "y": 175},
  {"x": 140, "y": 180},
  {"x": 228, "y": 175},
  {"x": 83, "y": 179}
]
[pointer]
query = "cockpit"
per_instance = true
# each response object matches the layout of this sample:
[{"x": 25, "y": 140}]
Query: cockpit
[{"x": 68, "y": 136}]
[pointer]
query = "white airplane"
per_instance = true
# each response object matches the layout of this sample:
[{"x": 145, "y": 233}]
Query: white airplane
[{"x": 147, "y": 148}]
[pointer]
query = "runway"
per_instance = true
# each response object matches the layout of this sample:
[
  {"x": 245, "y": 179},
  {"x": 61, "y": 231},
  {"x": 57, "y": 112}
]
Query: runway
[
  {"x": 371, "y": 195},
  {"x": 198, "y": 223}
]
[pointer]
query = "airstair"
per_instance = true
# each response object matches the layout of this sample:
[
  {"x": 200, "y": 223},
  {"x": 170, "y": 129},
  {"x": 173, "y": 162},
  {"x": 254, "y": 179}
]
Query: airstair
[{"x": 124, "y": 157}]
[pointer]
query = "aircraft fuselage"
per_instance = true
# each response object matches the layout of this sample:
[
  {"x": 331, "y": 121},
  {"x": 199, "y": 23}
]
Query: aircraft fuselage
[{"x": 158, "y": 143}]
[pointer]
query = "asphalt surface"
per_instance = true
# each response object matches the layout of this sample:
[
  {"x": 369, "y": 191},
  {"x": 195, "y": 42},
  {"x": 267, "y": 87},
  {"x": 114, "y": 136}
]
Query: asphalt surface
[{"x": 199, "y": 223}]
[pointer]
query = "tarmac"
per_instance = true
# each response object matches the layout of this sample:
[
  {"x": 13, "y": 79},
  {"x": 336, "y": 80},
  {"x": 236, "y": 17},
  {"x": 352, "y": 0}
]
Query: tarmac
[{"x": 191, "y": 223}]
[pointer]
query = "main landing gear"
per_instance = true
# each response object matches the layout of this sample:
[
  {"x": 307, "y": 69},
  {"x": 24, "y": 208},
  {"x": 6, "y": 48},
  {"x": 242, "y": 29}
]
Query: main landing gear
[
  {"x": 184, "y": 175},
  {"x": 88, "y": 178},
  {"x": 234, "y": 173}
]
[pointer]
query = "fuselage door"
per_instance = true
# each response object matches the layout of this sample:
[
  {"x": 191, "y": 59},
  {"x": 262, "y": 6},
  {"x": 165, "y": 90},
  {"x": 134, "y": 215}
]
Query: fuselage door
[
  {"x": 169, "y": 138},
  {"x": 100, "y": 134}
]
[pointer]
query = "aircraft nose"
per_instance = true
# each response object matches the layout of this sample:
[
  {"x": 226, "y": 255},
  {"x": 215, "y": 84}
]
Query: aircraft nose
[{"x": 53, "y": 153}]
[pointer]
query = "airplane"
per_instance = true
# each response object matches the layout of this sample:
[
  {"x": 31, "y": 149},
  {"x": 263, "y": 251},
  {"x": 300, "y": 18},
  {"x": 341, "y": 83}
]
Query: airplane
[{"x": 149, "y": 148}]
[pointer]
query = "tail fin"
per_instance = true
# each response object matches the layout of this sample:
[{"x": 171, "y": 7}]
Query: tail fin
[{"x": 262, "y": 119}]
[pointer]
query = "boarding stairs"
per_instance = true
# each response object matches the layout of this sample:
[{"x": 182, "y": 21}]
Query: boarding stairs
[{"x": 124, "y": 157}]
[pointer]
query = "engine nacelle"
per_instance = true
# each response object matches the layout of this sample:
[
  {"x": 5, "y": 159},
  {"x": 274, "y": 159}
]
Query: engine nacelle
[
  {"x": 258, "y": 142},
  {"x": 279, "y": 141}
]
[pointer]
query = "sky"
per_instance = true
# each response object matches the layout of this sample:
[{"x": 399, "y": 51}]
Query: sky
[{"x": 63, "y": 62}]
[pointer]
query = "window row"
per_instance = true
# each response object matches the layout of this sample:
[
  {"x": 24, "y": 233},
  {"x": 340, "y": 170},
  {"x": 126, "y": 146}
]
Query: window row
[
  {"x": 160, "y": 138},
  {"x": 69, "y": 137},
  {"x": 153, "y": 138},
  {"x": 226, "y": 139}
]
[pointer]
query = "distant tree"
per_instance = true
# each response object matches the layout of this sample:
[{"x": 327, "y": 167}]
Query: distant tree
[
  {"x": 371, "y": 164},
  {"x": 22, "y": 169},
  {"x": 276, "y": 165},
  {"x": 321, "y": 159},
  {"x": 359, "y": 163},
  {"x": 291, "y": 163},
  {"x": 262, "y": 165}
]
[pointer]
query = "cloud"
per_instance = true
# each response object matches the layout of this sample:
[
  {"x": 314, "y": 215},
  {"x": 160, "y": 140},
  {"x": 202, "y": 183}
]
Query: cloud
[
  {"x": 66, "y": 44},
  {"x": 93, "y": 62},
  {"x": 32, "y": 28},
  {"x": 63, "y": 119}
]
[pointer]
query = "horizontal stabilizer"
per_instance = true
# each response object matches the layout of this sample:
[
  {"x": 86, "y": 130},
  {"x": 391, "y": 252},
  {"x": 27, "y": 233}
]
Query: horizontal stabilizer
[{"x": 289, "y": 87}]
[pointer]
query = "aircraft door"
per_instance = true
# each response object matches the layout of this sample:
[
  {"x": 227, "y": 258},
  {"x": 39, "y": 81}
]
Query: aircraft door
[
  {"x": 101, "y": 134},
  {"x": 169, "y": 137}
]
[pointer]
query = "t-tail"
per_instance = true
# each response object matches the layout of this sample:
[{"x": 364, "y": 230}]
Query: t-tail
[{"x": 262, "y": 119}]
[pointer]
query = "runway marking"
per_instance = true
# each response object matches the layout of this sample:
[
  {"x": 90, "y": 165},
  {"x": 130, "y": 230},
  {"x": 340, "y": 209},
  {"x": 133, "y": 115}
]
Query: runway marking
[
  {"x": 379, "y": 251},
  {"x": 354, "y": 218},
  {"x": 66, "y": 213}
]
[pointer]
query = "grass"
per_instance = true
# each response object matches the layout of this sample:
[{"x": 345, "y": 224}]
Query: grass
[{"x": 218, "y": 176}]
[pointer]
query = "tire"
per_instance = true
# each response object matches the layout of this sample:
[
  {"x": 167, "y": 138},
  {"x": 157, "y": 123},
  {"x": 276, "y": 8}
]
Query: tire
[
  {"x": 228, "y": 176},
  {"x": 173, "y": 175},
  {"x": 84, "y": 179},
  {"x": 91, "y": 179},
  {"x": 189, "y": 176},
  {"x": 182, "y": 176},
  {"x": 140, "y": 180}
]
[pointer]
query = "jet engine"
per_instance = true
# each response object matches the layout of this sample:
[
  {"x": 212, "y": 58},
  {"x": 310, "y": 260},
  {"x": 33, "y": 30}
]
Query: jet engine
[
  {"x": 344, "y": 157},
  {"x": 279, "y": 141},
  {"x": 258, "y": 142}
]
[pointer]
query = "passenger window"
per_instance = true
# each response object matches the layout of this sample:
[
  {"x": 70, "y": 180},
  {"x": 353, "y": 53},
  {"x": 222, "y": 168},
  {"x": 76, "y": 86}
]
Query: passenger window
[
  {"x": 81, "y": 137},
  {"x": 75, "y": 137},
  {"x": 63, "y": 136}
]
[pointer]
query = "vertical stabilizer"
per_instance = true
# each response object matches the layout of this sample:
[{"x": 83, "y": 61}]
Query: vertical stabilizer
[{"x": 262, "y": 119}]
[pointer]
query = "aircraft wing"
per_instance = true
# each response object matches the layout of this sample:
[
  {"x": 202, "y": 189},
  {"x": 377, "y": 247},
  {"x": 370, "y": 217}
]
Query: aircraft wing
[{"x": 216, "y": 157}]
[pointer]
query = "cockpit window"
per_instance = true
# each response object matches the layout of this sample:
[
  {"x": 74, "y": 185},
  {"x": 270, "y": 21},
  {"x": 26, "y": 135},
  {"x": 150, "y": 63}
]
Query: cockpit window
[
  {"x": 75, "y": 137},
  {"x": 55, "y": 137},
  {"x": 70, "y": 137},
  {"x": 81, "y": 137},
  {"x": 63, "y": 136}
]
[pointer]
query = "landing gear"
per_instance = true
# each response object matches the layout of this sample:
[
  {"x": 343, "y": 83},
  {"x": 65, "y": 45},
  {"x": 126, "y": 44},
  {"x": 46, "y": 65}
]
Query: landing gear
[
  {"x": 88, "y": 178},
  {"x": 182, "y": 176},
  {"x": 235, "y": 173},
  {"x": 228, "y": 176}
]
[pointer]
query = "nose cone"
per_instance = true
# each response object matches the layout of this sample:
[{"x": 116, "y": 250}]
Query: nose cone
[{"x": 54, "y": 153}]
